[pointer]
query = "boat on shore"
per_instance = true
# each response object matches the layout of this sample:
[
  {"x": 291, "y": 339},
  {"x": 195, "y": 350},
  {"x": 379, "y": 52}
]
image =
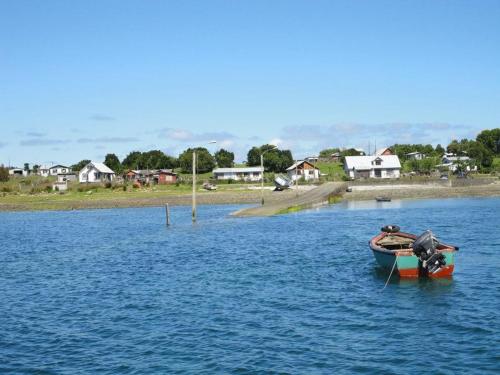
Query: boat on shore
[
  {"x": 383, "y": 199},
  {"x": 413, "y": 256}
]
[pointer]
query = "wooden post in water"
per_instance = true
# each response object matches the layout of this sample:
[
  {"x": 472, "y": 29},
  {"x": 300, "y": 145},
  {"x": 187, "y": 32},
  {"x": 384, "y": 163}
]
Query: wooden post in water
[
  {"x": 167, "y": 213},
  {"x": 193, "y": 208}
]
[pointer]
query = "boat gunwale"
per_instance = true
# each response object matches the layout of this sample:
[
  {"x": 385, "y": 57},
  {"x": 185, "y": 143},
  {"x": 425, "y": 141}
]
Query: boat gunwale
[{"x": 442, "y": 248}]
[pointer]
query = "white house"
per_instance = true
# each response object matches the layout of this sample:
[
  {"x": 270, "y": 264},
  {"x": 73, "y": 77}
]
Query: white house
[
  {"x": 377, "y": 166},
  {"x": 303, "y": 169},
  {"x": 43, "y": 170},
  {"x": 451, "y": 162},
  {"x": 244, "y": 173},
  {"x": 18, "y": 172},
  {"x": 59, "y": 169},
  {"x": 415, "y": 155},
  {"x": 96, "y": 172}
]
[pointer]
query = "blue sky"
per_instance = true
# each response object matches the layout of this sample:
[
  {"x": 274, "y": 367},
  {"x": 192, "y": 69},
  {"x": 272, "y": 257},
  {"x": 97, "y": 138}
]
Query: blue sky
[{"x": 79, "y": 79}]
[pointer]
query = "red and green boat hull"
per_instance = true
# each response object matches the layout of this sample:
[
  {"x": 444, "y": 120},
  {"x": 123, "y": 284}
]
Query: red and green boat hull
[{"x": 407, "y": 264}]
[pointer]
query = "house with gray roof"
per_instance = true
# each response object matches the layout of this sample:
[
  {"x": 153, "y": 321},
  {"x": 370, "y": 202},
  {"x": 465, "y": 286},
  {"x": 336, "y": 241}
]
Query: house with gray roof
[
  {"x": 96, "y": 172},
  {"x": 238, "y": 174}
]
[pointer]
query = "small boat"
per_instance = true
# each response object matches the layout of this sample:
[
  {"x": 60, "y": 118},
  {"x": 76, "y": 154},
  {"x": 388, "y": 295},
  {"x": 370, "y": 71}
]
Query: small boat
[
  {"x": 383, "y": 199},
  {"x": 282, "y": 182},
  {"x": 209, "y": 186},
  {"x": 412, "y": 256}
]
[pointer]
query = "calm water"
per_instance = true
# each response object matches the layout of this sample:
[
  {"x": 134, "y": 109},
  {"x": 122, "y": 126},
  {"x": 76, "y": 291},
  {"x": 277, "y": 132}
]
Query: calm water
[{"x": 115, "y": 292}]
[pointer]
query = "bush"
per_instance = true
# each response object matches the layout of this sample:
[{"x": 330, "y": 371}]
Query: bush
[
  {"x": 6, "y": 189},
  {"x": 48, "y": 189},
  {"x": 108, "y": 184},
  {"x": 124, "y": 187},
  {"x": 4, "y": 174}
]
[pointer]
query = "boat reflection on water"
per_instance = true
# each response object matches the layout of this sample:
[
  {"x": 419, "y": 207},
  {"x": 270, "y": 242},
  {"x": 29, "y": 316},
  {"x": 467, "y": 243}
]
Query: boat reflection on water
[{"x": 371, "y": 204}]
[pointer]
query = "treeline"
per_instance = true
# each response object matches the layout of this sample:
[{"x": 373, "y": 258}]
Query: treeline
[
  {"x": 481, "y": 150},
  {"x": 275, "y": 160}
]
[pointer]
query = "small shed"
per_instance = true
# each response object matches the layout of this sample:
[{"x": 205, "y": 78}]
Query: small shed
[{"x": 166, "y": 177}]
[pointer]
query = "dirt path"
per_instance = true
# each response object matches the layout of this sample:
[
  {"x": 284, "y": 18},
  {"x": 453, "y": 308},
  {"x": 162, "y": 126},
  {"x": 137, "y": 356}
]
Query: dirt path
[{"x": 308, "y": 199}]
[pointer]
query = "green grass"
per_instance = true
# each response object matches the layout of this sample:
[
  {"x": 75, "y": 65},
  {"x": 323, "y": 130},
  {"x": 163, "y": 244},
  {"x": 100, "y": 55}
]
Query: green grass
[{"x": 333, "y": 171}]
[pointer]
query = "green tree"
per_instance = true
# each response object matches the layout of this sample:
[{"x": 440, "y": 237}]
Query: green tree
[
  {"x": 132, "y": 160},
  {"x": 490, "y": 139},
  {"x": 439, "y": 151},
  {"x": 205, "y": 162},
  {"x": 275, "y": 160},
  {"x": 156, "y": 159},
  {"x": 112, "y": 162},
  {"x": 224, "y": 158},
  {"x": 26, "y": 167},
  {"x": 480, "y": 153},
  {"x": 36, "y": 167},
  {"x": 79, "y": 166},
  {"x": 4, "y": 174}
]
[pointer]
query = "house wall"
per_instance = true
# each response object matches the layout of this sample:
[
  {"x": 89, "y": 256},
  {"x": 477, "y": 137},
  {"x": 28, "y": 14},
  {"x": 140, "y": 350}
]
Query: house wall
[
  {"x": 384, "y": 173},
  {"x": 246, "y": 176},
  {"x": 91, "y": 175},
  {"x": 307, "y": 174},
  {"x": 44, "y": 172},
  {"x": 165, "y": 179},
  {"x": 58, "y": 170}
]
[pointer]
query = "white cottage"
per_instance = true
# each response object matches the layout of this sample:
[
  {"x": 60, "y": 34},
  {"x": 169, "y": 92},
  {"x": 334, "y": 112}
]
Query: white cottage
[
  {"x": 303, "y": 169},
  {"x": 96, "y": 172},
  {"x": 377, "y": 166},
  {"x": 59, "y": 169},
  {"x": 43, "y": 170},
  {"x": 244, "y": 173}
]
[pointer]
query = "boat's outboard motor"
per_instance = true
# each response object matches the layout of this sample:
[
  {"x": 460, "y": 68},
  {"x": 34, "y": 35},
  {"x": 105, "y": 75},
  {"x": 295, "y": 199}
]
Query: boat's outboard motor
[{"x": 424, "y": 248}]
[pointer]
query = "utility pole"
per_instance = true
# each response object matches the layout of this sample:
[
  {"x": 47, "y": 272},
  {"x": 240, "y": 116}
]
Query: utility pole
[
  {"x": 262, "y": 168},
  {"x": 193, "y": 210}
]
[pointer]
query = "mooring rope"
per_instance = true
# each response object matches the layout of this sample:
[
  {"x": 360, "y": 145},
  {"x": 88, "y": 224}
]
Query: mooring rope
[{"x": 393, "y": 266}]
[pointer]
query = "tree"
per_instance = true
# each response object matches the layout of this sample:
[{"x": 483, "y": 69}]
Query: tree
[
  {"x": 224, "y": 158},
  {"x": 205, "y": 162},
  {"x": 36, "y": 167},
  {"x": 275, "y": 160},
  {"x": 79, "y": 166},
  {"x": 112, "y": 162},
  {"x": 132, "y": 160},
  {"x": 4, "y": 174},
  {"x": 26, "y": 167},
  {"x": 490, "y": 139},
  {"x": 480, "y": 153},
  {"x": 154, "y": 159},
  {"x": 439, "y": 151}
]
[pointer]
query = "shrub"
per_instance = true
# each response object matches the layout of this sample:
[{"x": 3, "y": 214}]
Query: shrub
[
  {"x": 4, "y": 174},
  {"x": 108, "y": 184},
  {"x": 6, "y": 189},
  {"x": 124, "y": 187}
]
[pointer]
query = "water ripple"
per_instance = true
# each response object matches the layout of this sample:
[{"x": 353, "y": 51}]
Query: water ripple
[{"x": 115, "y": 292}]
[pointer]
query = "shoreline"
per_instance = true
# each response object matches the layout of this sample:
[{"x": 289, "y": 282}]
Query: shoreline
[{"x": 52, "y": 202}]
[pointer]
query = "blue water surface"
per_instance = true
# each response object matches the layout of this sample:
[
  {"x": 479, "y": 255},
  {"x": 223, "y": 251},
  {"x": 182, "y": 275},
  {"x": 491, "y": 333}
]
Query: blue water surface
[{"x": 117, "y": 292}]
